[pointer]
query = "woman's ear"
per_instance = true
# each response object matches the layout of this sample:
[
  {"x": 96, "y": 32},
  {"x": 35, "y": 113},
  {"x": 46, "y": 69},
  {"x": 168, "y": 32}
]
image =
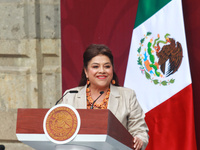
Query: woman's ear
[{"x": 85, "y": 70}]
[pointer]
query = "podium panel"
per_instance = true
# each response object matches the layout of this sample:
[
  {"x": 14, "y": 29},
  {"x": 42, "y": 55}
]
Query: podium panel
[{"x": 99, "y": 129}]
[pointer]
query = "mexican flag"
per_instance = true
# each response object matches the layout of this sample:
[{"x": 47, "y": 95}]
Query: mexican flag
[{"x": 158, "y": 70}]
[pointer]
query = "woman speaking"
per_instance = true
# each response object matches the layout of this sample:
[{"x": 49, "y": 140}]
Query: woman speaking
[{"x": 99, "y": 89}]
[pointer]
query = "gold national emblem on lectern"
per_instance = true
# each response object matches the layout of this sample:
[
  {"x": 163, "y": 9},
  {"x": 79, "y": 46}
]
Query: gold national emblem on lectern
[{"x": 61, "y": 123}]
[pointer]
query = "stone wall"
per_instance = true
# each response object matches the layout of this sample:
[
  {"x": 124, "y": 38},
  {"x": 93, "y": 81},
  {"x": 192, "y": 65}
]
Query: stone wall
[{"x": 30, "y": 61}]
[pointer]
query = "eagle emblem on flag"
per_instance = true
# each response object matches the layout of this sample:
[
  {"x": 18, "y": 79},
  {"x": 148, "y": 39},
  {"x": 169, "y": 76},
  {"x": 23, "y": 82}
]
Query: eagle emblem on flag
[{"x": 160, "y": 58}]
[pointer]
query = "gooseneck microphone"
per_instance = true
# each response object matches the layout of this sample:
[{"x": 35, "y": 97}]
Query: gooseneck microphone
[
  {"x": 2, "y": 147},
  {"x": 72, "y": 91},
  {"x": 96, "y": 100}
]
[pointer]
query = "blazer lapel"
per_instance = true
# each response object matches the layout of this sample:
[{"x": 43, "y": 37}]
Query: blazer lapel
[
  {"x": 114, "y": 98},
  {"x": 81, "y": 98}
]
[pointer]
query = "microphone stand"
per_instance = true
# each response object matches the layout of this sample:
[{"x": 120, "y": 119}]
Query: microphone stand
[{"x": 96, "y": 100}]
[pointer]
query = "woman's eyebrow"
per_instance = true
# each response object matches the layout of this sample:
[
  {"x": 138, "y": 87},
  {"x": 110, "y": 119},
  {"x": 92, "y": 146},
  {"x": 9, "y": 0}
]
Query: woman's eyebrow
[{"x": 95, "y": 63}]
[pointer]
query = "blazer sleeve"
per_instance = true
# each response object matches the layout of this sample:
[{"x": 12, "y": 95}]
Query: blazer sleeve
[{"x": 136, "y": 122}]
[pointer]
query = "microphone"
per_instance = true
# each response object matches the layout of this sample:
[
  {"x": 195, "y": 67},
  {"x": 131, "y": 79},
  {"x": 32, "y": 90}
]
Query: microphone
[
  {"x": 2, "y": 147},
  {"x": 96, "y": 100},
  {"x": 72, "y": 91}
]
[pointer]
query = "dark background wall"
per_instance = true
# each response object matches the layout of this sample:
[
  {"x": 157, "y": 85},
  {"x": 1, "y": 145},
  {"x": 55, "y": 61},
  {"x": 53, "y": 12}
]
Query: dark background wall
[{"x": 191, "y": 11}]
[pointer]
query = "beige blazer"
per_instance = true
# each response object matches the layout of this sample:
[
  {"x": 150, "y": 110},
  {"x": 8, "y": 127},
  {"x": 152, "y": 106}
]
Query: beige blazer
[{"x": 122, "y": 103}]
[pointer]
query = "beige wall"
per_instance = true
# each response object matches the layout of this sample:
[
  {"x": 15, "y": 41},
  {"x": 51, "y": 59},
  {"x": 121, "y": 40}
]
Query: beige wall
[{"x": 30, "y": 61}]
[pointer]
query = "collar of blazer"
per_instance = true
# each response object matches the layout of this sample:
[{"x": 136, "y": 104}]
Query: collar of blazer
[{"x": 112, "y": 102}]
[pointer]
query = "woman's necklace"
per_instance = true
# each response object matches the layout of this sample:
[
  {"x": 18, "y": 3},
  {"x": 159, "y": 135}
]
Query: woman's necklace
[{"x": 102, "y": 105}]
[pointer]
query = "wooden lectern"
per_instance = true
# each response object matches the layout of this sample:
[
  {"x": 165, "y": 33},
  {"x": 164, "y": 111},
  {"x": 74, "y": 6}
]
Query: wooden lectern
[{"x": 99, "y": 130}]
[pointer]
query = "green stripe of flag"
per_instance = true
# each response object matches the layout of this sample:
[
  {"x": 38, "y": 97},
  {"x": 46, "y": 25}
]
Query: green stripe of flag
[{"x": 147, "y": 8}]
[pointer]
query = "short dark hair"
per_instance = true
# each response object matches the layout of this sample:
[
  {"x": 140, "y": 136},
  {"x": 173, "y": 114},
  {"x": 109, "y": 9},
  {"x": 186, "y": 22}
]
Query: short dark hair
[{"x": 92, "y": 51}]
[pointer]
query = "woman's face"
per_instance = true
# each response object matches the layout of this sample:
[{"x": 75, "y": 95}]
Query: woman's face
[{"x": 99, "y": 71}]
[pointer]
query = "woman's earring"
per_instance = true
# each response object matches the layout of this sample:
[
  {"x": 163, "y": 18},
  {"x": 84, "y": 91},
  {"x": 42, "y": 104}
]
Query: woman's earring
[
  {"x": 113, "y": 82},
  {"x": 88, "y": 82}
]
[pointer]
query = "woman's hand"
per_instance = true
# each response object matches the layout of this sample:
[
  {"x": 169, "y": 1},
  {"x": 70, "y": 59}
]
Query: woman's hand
[{"x": 137, "y": 143}]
